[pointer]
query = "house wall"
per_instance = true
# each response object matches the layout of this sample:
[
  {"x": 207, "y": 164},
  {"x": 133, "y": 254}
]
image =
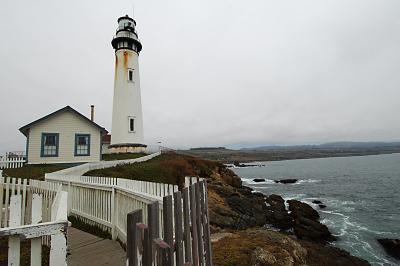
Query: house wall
[{"x": 67, "y": 125}]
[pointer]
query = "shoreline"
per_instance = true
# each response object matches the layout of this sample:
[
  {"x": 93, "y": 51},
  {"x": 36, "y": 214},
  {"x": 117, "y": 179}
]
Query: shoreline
[
  {"x": 262, "y": 163},
  {"x": 241, "y": 156}
]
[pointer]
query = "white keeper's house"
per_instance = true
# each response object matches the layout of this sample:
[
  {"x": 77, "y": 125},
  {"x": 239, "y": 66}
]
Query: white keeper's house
[{"x": 64, "y": 136}]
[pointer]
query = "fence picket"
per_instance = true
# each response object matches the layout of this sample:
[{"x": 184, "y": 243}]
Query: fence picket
[
  {"x": 168, "y": 229},
  {"x": 15, "y": 220},
  {"x": 178, "y": 228},
  {"x": 36, "y": 243},
  {"x": 186, "y": 225}
]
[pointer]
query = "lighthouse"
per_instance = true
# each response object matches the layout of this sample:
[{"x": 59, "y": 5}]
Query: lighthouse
[{"x": 127, "y": 120}]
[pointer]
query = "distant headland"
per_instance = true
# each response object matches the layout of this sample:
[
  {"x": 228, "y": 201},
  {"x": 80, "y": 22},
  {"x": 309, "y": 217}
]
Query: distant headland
[{"x": 277, "y": 153}]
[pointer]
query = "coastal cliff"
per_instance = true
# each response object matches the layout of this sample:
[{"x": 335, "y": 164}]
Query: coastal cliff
[{"x": 250, "y": 228}]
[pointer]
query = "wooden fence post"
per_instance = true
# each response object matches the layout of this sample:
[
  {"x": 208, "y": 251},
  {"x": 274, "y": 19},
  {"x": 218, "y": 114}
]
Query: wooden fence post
[
  {"x": 132, "y": 240},
  {"x": 178, "y": 228},
  {"x": 113, "y": 214},
  {"x": 193, "y": 213},
  {"x": 15, "y": 220},
  {"x": 199, "y": 223},
  {"x": 206, "y": 222},
  {"x": 186, "y": 224},
  {"x": 168, "y": 229},
  {"x": 162, "y": 254},
  {"x": 36, "y": 243},
  {"x": 154, "y": 227}
]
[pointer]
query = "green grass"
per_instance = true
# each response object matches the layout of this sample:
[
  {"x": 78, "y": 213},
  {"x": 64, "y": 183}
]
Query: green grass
[
  {"x": 36, "y": 171},
  {"x": 170, "y": 168},
  {"x": 122, "y": 156}
]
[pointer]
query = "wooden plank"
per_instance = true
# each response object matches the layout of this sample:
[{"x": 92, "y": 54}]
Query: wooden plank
[
  {"x": 36, "y": 243},
  {"x": 168, "y": 228},
  {"x": 33, "y": 231},
  {"x": 15, "y": 220},
  {"x": 178, "y": 228},
  {"x": 1, "y": 200},
  {"x": 147, "y": 248},
  {"x": 186, "y": 225},
  {"x": 154, "y": 226},
  {"x": 193, "y": 218},
  {"x": 140, "y": 244},
  {"x": 207, "y": 232},
  {"x": 199, "y": 224},
  {"x": 23, "y": 201},
  {"x": 133, "y": 218},
  {"x": 7, "y": 202}
]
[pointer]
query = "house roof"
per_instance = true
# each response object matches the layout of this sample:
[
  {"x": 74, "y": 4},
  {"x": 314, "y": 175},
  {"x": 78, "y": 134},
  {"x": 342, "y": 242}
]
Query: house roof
[{"x": 24, "y": 129}]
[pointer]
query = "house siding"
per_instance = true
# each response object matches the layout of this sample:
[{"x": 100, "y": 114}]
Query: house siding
[{"x": 67, "y": 124}]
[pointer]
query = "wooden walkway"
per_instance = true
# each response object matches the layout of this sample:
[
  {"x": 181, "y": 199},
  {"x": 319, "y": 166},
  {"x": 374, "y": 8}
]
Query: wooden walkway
[{"x": 86, "y": 249}]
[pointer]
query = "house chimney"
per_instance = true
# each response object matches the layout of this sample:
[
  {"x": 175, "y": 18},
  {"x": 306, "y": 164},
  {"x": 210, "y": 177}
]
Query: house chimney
[{"x": 92, "y": 113}]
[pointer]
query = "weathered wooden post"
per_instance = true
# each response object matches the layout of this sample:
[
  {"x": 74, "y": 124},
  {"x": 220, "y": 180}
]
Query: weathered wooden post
[
  {"x": 178, "y": 228},
  {"x": 36, "y": 243},
  {"x": 15, "y": 220},
  {"x": 153, "y": 227},
  {"x": 168, "y": 229},
  {"x": 132, "y": 241},
  {"x": 113, "y": 214},
  {"x": 186, "y": 225}
]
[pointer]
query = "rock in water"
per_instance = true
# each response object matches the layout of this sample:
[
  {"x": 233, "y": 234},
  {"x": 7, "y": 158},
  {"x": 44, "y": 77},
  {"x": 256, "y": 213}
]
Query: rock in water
[
  {"x": 391, "y": 246},
  {"x": 317, "y": 202},
  {"x": 306, "y": 224},
  {"x": 286, "y": 181},
  {"x": 322, "y": 206},
  {"x": 259, "y": 180},
  {"x": 301, "y": 209}
]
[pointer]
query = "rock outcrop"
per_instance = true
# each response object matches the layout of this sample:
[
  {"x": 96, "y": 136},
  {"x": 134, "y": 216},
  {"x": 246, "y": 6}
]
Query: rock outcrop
[
  {"x": 391, "y": 246},
  {"x": 257, "y": 247},
  {"x": 306, "y": 224}
]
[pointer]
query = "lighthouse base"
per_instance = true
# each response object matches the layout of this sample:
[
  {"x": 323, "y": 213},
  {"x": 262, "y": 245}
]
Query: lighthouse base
[{"x": 127, "y": 148}]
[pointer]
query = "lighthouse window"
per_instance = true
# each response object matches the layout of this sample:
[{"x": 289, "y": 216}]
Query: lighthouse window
[
  {"x": 130, "y": 74},
  {"x": 131, "y": 124}
]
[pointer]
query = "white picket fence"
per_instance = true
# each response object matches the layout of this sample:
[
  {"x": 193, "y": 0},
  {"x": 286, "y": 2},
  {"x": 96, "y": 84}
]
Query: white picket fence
[
  {"x": 11, "y": 162},
  {"x": 36, "y": 211},
  {"x": 105, "y": 202}
]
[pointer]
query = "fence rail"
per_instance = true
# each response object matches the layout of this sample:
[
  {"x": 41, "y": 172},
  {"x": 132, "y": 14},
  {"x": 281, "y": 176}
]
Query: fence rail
[
  {"x": 35, "y": 211},
  {"x": 105, "y": 202}
]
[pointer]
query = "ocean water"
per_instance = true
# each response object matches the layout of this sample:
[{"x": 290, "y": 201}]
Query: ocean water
[{"x": 362, "y": 195}]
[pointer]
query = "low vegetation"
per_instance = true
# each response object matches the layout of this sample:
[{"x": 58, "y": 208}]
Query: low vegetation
[
  {"x": 33, "y": 171},
  {"x": 168, "y": 168},
  {"x": 122, "y": 156}
]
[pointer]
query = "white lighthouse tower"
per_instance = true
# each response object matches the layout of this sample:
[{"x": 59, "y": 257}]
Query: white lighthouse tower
[{"x": 127, "y": 120}]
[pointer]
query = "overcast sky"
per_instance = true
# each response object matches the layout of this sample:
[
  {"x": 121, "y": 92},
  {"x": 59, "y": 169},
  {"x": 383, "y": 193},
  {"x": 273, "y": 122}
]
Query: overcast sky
[{"x": 212, "y": 72}]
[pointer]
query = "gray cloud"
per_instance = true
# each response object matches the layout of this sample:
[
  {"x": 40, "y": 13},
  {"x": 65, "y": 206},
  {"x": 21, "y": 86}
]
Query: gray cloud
[{"x": 212, "y": 72}]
